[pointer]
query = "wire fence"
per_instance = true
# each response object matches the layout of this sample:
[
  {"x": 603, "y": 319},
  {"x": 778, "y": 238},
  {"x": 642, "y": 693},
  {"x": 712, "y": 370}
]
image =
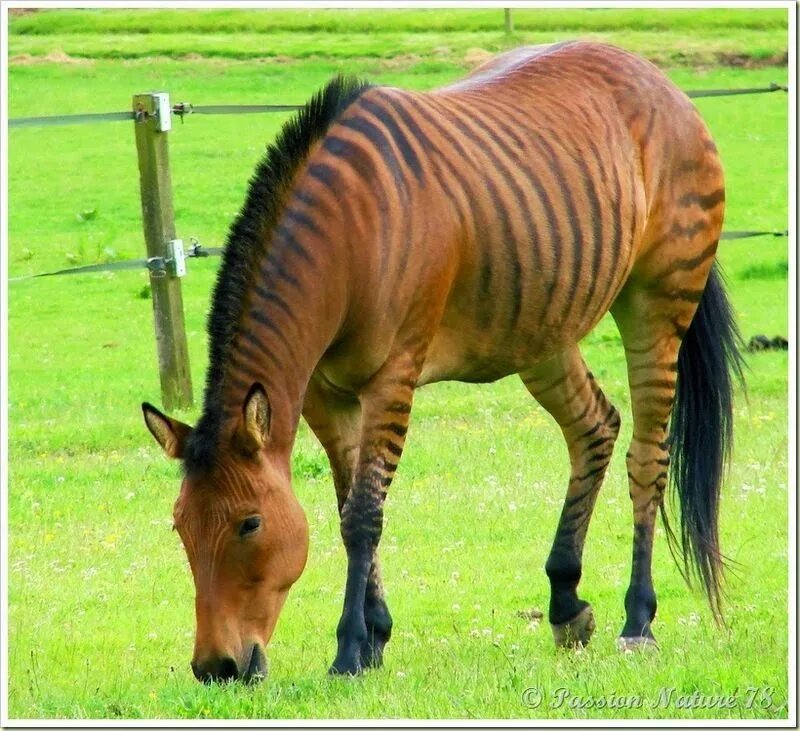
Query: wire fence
[
  {"x": 198, "y": 251},
  {"x": 183, "y": 109},
  {"x": 157, "y": 265}
]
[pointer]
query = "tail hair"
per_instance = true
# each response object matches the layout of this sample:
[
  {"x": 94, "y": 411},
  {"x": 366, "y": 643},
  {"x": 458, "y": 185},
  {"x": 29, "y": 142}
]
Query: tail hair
[{"x": 710, "y": 363}]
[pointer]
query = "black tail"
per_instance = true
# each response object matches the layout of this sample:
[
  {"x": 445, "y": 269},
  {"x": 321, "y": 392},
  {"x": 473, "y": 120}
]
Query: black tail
[{"x": 701, "y": 432}]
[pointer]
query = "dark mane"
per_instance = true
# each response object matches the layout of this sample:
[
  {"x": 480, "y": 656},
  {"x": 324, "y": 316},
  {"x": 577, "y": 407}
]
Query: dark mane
[{"x": 246, "y": 245}]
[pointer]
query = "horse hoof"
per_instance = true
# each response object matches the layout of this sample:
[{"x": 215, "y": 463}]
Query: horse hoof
[
  {"x": 347, "y": 664},
  {"x": 348, "y": 671},
  {"x": 576, "y": 632},
  {"x": 632, "y": 644}
]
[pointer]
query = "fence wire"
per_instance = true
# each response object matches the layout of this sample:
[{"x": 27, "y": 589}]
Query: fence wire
[
  {"x": 183, "y": 109},
  {"x": 201, "y": 252}
]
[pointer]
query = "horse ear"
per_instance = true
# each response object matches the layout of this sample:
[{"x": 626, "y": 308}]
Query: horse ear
[
  {"x": 171, "y": 434},
  {"x": 253, "y": 432}
]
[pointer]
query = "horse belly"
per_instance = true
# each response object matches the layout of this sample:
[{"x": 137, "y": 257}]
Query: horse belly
[
  {"x": 463, "y": 349},
  {"x": 470, "y": 354}
]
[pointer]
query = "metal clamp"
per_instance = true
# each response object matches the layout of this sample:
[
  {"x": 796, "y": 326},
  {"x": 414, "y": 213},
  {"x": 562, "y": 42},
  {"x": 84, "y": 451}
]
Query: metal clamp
[
  {"x": 196, "y": 250},
  {"x": 182, "y": 108},
  {"x": 140, "y": 115},
  {"x": 174, "y": 264},
  {"x": 157, "y": 266}
]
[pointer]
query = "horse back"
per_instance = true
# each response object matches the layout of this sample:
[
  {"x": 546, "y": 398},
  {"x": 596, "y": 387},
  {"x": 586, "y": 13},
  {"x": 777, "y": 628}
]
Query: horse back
[{"x": 501, "y": 215}]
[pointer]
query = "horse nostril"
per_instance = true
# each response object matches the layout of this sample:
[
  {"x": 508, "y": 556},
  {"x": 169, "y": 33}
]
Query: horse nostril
[
  {"x": 228, "y": 669},
  {"x": 257, "y": 669},
  {"x": 216, "y": 670}
]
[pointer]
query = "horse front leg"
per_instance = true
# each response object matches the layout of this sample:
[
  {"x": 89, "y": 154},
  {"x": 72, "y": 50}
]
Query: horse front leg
[
  {"x": 335, "y": 419},
  {"x": 365, "y": 625}
]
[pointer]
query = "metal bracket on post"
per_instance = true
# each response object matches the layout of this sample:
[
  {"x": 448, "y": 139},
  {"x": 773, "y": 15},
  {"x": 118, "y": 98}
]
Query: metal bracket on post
[
  {"x": 165, "y": 254},
  {"x": 176, "y": 258},
  {"x": 163, "y": 112}
]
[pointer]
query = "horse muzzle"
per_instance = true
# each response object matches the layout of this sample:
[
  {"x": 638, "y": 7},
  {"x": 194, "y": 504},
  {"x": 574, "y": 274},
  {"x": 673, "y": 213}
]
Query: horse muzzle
[{"x": 221, "y": 669}]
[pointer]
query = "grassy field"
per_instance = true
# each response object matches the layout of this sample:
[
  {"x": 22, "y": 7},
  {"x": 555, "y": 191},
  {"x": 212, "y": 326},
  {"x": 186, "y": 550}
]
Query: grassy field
[
  {"x": 669, "y": 35},
  {"x": 100, "y": 616}
]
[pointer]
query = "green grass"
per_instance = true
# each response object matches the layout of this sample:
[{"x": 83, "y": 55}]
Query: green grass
[
  {"x": 766, "y": 47},
  {"x": 341, "y": 22},
  {"x": 674, "y": 35},
  {"x": 100, "y": 598}
]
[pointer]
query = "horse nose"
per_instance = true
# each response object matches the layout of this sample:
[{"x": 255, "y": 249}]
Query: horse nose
[
  {"x": 215, "y": 669},
  {"x": 257, "y": 668}
]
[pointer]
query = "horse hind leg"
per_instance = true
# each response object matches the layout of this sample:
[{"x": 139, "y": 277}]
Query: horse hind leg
[
  {"x": 651, "y": 341},
  {"x": 653, "y": 314},
  {"x": 590, "y": 424}
]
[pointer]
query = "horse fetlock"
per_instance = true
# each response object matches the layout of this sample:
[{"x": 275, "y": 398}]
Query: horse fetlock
[
  {"x": 564, "y": 571},
  {"x": 640, "y": 606}
]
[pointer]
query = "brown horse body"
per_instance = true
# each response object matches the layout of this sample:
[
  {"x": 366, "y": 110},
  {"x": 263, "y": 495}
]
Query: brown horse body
[{"x": 465, "y": 234}]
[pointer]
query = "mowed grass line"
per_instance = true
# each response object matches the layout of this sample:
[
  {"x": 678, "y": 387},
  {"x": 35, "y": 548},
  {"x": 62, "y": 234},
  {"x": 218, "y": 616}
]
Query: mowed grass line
[
  {"x": 100, "y": 607},
  {"x": 753, "y": 47},
  {"x": 382, "y": 21},
  {"x": 679, "y": 36}
]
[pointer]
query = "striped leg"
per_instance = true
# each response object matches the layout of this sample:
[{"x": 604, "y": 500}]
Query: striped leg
[
  {"x": 336, "y": 421},
  {"x": 386, "y": 405},
  {"x": 590, "y": 424},
  {"x": 651, "y": 332}
]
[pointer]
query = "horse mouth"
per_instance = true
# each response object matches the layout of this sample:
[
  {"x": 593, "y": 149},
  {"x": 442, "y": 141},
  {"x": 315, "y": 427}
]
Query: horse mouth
[{"x": 257, "y": 667}]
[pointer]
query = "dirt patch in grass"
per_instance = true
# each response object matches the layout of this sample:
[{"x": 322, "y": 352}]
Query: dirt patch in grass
[
  {"x": 745, "y": 61},
  {"x": 27, "y": 59},
  {"x": 477, "y": 56},
  {"x": 398, "y": 63}
]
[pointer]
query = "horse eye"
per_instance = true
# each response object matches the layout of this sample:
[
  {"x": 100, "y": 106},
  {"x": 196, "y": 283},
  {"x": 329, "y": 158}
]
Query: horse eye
[{"x": 249, "y": 525}]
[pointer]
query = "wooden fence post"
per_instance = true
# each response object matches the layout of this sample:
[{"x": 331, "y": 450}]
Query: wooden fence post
[
  {"x": 152, "y": 124},
  {"x": 509, "y": 21}
]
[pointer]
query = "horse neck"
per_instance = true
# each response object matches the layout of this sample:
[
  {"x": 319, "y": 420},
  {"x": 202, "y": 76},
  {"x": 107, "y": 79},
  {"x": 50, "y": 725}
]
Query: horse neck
[{"x": 292, "y": 312}]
